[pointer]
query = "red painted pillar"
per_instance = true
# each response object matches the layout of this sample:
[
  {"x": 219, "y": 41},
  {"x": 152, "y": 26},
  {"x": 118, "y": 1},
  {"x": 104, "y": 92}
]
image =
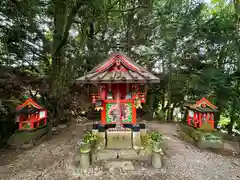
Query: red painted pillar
[
  {"x": 32, "y": 120},
  {"x": 188, "y": 118},
  {"x": 134, "y": 114},
  {"x": 200, "y": 119},
  {"x": 20, "y": 122},
  {"x": 103, "y": 114},
  {"x": 211, "y": 121},
  {"x": 195, "y": 119},
  {"x": 45, "y": 120}
]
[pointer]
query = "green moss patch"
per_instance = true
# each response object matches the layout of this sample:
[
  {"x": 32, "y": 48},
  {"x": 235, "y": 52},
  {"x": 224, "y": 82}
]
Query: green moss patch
[
  {"x": 186, "y": 129},
  {"x": 186, "y": 137},
  {"x": 19, "y": 139}
]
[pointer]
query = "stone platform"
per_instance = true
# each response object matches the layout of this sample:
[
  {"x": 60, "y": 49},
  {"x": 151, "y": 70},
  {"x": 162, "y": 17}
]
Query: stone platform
[
  {"x": 124, "y": 165},
  {"x": 126, "y": 154}
]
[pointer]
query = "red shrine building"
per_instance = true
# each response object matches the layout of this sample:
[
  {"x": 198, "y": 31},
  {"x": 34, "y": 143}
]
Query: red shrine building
[
  {"x": 200, "y": 112},
  {"x": 121, "y": 88},
  {"x": 30, "y": 115}
]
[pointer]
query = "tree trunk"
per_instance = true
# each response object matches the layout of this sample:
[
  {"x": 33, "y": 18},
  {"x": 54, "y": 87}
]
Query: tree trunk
[
  {"x": 163, "y": 104},
  {"x": 171, "y": 113},
  {"x": 230, "y": 125},
  {"x": 169, "y": 88},
  {"x": 63, "y": 19},
  {"x": 129, "y": 32},
  {"x": 217, "y": 119}
]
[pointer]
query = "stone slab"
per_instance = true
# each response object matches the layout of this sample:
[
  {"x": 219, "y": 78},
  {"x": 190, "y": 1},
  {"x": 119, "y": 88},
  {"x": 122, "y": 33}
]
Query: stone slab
[
  {"x": 204, "y": 144},
  {"x": 119, "y": 139},
  {"x": 106, "y": 154},
  {"x": 126, "y": 154},
  {"x": 124, "y": 165}
]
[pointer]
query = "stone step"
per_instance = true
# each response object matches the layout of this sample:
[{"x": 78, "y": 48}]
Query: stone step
[
  {"x": 126, "y": 154},
  {"x": 124, "y": 165}
]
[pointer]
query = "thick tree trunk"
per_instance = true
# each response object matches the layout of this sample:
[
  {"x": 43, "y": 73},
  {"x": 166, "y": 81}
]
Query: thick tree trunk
[{"x": 63, "y": 19}]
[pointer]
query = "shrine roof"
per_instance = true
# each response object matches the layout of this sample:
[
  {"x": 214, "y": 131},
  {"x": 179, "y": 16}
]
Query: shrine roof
[
  {"x": 29, "y": 102},
  {"x": 202, "y": 105},
  {"x": 132, "y": 73}
]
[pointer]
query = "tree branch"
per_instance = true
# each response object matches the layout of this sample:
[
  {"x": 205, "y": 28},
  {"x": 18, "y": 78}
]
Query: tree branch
[
  {"x": 70, "y": 20},
  {"x": 130, "y": 9}
]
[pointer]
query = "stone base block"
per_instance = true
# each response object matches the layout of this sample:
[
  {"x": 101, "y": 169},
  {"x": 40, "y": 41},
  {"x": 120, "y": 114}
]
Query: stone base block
[
  {"x": 124, "y": 165},
  {"x": 127, "y": 154},
  {"x": 204, "y": 144},
  {"x": 119, "y": 139},
  {"x": 157, "y": 160}
]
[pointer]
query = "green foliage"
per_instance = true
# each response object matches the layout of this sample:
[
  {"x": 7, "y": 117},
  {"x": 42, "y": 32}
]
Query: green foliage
[
  {"x": 212, "y": 137},
  {"x": 85, "y": 148},
  {"x": 186, "y": 129},
  {"x": 186, "y": 137},
  {"x": 195, "y": 45},
  {"x": 159, "y": 115},
  {"x": 146, "y": 140},
  {"x": 89, "y": 136},
  {"x": 156, "y": 136},
  {"x": 196, "y": 135}
]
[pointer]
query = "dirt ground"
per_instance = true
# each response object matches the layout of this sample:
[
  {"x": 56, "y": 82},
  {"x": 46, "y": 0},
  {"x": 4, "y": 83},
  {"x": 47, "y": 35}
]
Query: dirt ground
[{"x": 54, "y": 160}]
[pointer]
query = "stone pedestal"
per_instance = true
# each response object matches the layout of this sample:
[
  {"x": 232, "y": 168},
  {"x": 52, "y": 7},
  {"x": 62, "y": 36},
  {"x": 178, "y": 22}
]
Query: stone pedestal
[
  {"x": 157, "y": 160},
  {"x": 101, "y": 143},
  {"x": 85, "y": 160},
  {"x": 119, "y": 138},
  {"x": 137, "y": 143}
]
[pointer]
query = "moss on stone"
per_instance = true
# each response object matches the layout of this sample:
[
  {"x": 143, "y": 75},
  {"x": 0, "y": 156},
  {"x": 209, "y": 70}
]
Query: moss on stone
[
  {"x": 146, "y": 140},
  {"x": 211, "y": 144},
  {"x": 186, "y": 129},
  {"x": 186, "y": 137},
  {"x": 197, "y": 135},
  {"x": 19, "y": 139}
]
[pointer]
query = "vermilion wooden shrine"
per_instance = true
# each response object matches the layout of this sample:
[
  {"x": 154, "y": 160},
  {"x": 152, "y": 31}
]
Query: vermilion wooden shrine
[
  {"x": 199, "y": 112},
  {"x": 31, "y": 115},
  {"x": 122, "y": 88}
]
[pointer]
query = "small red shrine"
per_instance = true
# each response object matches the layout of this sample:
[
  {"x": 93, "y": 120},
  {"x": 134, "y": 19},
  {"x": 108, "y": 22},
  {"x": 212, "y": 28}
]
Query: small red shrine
[
  {"x": 199, "y": 112},
  {"x": 31, "y": 115},
  {"x": 122, "y": 88}
]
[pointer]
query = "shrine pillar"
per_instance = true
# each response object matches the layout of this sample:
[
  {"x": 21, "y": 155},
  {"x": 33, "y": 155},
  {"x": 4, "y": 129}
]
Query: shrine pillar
[
  {"x": 200, "y": 119},
  {"x": 211, "y": 120},
  {"x": 188, "y": 118}
]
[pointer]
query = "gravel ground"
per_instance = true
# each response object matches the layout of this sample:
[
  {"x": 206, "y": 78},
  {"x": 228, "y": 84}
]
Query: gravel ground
[{"x": 53, "y": 160}]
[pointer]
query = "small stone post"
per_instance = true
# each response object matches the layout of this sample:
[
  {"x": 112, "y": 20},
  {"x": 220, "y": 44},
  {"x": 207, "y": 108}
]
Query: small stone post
[
  {"x": 102, "y": 137},
  {"x": 85, "y": 150},
  {"x": 85, "y": 160},
  {"x": 157, "y": 159},
  {"x": 137, "y": 143}
]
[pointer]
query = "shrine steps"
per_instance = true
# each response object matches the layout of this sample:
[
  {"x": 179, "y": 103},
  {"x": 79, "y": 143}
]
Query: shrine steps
[
  {"x": 118, "y": 164},
  {"x": 121, "y": 154}
]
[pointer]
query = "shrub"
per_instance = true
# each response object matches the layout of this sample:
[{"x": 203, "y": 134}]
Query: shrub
[
  {"x": 146, "y": 140},
  {"x": 159, "y": 115},
  {"x": 89, "y": 136},
  {"x": 186, "y": 137},
  {"x": 156, "y": 136},
  {"x": 197, "y": 135},
  {"x": 186, "y": 129},
  {"x": 211, "y": 137}
]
